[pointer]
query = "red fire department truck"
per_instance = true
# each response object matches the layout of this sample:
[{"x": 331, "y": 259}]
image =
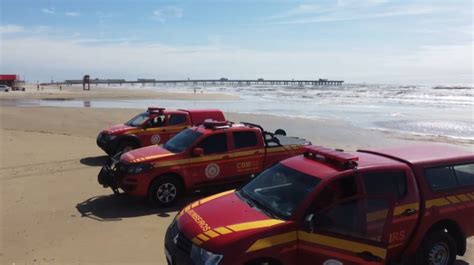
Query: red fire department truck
[
  {"x": 213, "y": 154},
  {"x": 411, "y": 204},
  {"x": 155, "y": 126}
]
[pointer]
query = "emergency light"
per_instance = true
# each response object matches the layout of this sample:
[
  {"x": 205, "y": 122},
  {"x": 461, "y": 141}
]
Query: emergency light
[
  {"x": 331, "y": 156},
  {"x": 155, "y": 110}
]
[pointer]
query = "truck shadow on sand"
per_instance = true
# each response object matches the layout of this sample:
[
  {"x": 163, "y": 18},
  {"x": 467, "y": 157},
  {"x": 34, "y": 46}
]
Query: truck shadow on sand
[
  {"x": 94, "y": 161},
  {"x": 115, "y": 208}
]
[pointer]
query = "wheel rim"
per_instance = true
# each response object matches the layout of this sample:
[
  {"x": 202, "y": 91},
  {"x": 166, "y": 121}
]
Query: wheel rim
[
  {"x": 166, "y": 192},
  {"x": 439, "y": 254}
]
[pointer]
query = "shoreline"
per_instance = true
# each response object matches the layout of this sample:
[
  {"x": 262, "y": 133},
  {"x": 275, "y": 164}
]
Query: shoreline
[{"x": 111, "y": 93}]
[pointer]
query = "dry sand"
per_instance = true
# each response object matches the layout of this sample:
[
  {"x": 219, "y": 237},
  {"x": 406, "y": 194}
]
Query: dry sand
[{"x": 54, "y": 212}]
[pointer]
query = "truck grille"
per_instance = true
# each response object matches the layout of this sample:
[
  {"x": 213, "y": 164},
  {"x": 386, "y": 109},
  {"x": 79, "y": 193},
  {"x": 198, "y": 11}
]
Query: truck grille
[{"x": 181, "y": 241}]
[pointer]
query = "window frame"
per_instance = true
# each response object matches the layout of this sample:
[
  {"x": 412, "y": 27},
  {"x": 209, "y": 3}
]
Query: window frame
[
  {"x": 381, "y": 171},
  {"x": 168, "y": 119},
  {"x": 451, "y": 166},
  {"x": 198, "y": 145},
  {"x": 388, "y": 220},
  {"x": 245, "y": 131}
]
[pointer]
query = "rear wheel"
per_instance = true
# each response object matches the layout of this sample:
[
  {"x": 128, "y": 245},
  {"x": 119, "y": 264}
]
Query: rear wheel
[
  {"x": 438, "y": 248},
  {"x": 164, "y": 191}
]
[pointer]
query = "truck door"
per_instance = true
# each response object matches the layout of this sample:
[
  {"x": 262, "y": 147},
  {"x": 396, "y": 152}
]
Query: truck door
[
  {"x": 399, "y": 184},
  {"x": 247, "y": 154},
  {"x": 346, "y": 227},
  {"x": 152, "y": 131},
  {"x": 161, "y": 128},
  {"x": 214, "y": 164},
  {"x": 175, "y": 123}
]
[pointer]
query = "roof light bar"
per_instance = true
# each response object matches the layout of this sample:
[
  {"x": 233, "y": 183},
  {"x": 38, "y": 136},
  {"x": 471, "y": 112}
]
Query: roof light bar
[
  {"x": 155, "y": 110},
  {"x": 332, "y": 156}
]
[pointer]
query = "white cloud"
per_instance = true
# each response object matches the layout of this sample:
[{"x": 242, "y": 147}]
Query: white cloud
[
  {"x": 70, "y": 59},
  {"x": 167, "y": 12},
  {"x": 72, "y": 14},
  {"x": 48, "y": 10},
  {"x": 11, "y": 29},
  {"x": 348, "y": 10}
]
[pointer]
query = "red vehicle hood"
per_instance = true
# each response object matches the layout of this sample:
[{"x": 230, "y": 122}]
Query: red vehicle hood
[
  {"x": 119, "y": 129},
  {"x": 146, "y": 154},
  {"x": 217, "y": 220}
]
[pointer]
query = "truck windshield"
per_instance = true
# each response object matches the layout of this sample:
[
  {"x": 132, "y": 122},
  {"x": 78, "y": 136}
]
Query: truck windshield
[
  {"x": 278, "y": 191},
  {"x": 138, "y": 120},
  {"x": 182, "y": 141}
]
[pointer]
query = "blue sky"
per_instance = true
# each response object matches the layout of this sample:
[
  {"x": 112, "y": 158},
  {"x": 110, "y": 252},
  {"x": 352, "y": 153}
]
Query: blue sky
[{"x": 377, "y": 41}]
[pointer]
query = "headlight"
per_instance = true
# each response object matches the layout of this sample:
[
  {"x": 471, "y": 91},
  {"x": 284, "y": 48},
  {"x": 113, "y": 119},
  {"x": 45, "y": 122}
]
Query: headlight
[
  {"x": 137, "y": 169},
  {"x": 201, "y": 256}
]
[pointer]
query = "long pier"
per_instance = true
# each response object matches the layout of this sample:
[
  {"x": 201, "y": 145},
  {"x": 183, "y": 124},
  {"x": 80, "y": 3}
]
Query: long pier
[{"x": 204, "y": 82}]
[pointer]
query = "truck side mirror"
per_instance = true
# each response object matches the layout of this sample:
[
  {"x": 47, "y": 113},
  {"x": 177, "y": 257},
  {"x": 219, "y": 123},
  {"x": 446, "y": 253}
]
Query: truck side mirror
[
  {"x": 198, "y": 151},
  {"x": 309, "y": 223}
]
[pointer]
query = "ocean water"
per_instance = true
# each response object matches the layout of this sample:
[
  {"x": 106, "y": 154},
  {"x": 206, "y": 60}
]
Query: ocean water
[{"x": 426, "y": 110}]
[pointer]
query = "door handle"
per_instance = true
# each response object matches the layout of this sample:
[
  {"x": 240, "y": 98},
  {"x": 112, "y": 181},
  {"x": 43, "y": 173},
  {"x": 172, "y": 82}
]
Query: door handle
[
  {"x": 366, "y": 255},
  {"x": 409, "y": 212},
  {"x": 225, "y": 157}
]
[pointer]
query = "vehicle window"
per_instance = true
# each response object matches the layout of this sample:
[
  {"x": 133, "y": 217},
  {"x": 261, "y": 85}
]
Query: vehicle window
[
  {"x": 465, "y": 174},
  {"x": 182, "y": 141},
  {"x": 360, "y": 217},
  {"x": 175, "y": 119},
  {"x": 216, "y": 143},
  {"x": 441, "y": 178},
  {"x": 157, "y": 121},
  {"x": 279, "y": 190},
  {"x": 244, "y": 139},
  {"x": 138, "y": 120},
  {"x": 385, "y": 183},
  {"x": 335, "y": 191}
]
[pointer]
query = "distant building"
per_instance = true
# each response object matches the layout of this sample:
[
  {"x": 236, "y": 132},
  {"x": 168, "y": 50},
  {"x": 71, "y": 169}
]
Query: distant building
[{"x": 10, "y": 80}]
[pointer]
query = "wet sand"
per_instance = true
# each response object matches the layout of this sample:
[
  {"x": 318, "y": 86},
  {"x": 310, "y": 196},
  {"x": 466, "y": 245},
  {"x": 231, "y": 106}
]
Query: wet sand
[
  {"x": 104, "y": 92},
  {"x": 54, "y": 211}
]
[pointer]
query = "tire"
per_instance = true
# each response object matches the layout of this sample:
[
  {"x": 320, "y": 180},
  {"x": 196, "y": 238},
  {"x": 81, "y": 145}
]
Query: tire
[
  {"x": 165, "y": 191},
  {"x": 126, "y": 146},
  {"x": 438, "y": 248}
]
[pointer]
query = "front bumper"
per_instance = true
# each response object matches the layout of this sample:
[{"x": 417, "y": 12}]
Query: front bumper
[
  {"x": 177, "y": 247},
  {"x": 114, "y": 175},
  {"x": 108, "y": 175}
]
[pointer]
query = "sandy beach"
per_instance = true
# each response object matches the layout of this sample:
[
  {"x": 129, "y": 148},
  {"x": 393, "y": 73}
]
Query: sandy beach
[{"x": 54, "y": 211}]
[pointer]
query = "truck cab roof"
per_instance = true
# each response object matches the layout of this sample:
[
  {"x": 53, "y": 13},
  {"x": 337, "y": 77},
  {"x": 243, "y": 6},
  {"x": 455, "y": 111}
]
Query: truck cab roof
[
  {"x": 418, "y": 155},
  {"x": 423, "y": 154},
  {"x": 326, "y": 169}
]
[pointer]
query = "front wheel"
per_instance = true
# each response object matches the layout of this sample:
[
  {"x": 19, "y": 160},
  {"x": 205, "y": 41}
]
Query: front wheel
[
  {"x": 438, "y": 248},
  {"x": 164, "y": 191}
]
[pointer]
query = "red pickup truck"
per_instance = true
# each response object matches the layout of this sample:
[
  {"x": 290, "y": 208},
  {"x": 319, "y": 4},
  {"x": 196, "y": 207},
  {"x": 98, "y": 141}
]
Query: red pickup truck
[
  {"x": 216, "y": 153},
  {"x": 412, "y": 205},
  {"x": 155, "y": 126}
]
